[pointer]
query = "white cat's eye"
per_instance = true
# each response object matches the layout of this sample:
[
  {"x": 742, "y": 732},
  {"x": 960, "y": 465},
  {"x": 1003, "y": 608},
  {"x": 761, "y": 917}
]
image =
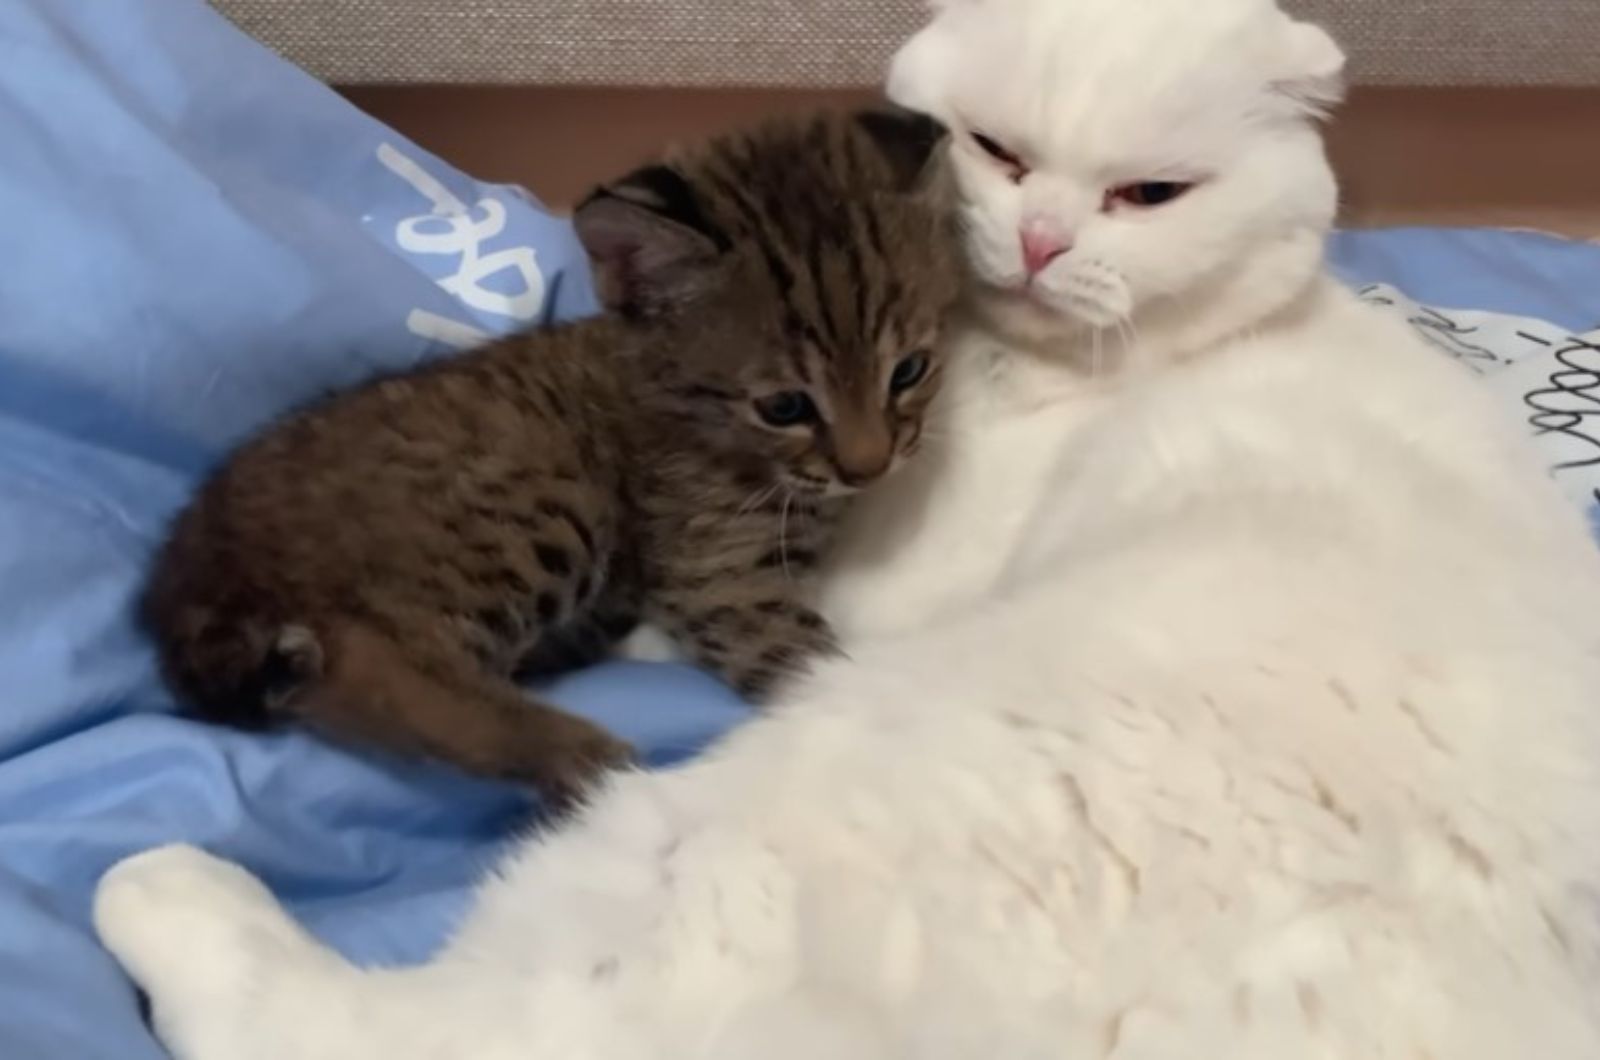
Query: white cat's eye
[
  {"x": 1014, "y": 165},
  {"x": 1149, "y": 193}
]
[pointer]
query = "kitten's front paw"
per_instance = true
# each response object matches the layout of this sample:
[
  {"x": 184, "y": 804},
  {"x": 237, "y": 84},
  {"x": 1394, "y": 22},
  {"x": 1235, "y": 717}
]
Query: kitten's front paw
[
  {"x": 574, "y": 761},
  {"x": 764, "y": 678},
  {"x": 194, "y": 931}
]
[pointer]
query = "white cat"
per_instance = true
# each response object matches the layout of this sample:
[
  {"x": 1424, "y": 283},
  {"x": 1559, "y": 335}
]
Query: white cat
[{"x": 1244, "y": 701}]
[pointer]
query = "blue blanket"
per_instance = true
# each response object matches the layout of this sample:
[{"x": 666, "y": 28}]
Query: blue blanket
[{"x": 198, "y": 237}]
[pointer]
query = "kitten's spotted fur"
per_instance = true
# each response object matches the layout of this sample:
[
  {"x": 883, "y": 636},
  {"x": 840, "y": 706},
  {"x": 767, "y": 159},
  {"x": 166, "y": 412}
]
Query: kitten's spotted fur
[{"x": 380, "y": 566}]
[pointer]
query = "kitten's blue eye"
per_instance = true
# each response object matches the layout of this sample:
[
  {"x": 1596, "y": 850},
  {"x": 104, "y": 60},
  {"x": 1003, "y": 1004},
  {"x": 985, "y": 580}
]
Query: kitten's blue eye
[
  {"x": 911, "y": 370},
  {"x": 1151, "y": 192},
  {"x": 788, "y": 408}
]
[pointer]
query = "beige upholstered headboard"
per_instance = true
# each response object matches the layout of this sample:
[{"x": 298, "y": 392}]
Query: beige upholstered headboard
[
  {"x": 1466, "y": 111},
  {"x": 833, "y": 43}
]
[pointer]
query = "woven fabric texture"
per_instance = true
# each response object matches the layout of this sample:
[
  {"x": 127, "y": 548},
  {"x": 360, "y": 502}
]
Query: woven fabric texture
[{"x": 838, "y": 43}]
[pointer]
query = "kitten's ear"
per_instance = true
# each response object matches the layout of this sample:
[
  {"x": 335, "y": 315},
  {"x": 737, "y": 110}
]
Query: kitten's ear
[
  {"x": 652, "y": 246},
  {"x": 906, "y": 139},
  {"x": 1313, "y": 68}
]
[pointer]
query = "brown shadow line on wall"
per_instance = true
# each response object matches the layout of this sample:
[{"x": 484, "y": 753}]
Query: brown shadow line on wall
[{"x": 1511, "y": 157}]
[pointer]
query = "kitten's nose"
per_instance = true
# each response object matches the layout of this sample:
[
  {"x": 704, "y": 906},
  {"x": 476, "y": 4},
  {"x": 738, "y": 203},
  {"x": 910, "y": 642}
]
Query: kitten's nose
[
  {"x": 862, "y": 452},
  {"x": 1042, "y": 243},
  {"x": 856, "y": 474}
]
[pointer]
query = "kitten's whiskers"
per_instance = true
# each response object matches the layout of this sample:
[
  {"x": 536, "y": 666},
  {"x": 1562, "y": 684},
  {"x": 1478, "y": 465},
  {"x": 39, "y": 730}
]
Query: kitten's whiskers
[
  {"x": 757, "y": 498},
  {"x": 783, "y": 531}
]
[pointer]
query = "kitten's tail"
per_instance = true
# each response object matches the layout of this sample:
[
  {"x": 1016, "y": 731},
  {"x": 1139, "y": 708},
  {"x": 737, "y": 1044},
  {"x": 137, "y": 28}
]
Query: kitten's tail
[{"x": 230, "y": 662}]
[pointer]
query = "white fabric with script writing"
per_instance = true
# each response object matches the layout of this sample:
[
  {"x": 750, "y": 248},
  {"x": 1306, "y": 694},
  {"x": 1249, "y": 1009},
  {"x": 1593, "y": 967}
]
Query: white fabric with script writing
[{"x": 1548, "y": 376}]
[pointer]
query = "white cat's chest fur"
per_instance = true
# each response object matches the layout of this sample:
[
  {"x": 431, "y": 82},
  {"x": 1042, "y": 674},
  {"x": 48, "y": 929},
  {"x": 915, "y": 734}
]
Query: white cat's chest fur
[{"x": 937, "y": 536}]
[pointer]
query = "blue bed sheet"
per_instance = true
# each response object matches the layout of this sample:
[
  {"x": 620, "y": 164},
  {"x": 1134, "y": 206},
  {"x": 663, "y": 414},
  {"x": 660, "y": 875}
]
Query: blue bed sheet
[
  {"x": 198, "y": 237},
  {"x": 1526, "y": 274}
]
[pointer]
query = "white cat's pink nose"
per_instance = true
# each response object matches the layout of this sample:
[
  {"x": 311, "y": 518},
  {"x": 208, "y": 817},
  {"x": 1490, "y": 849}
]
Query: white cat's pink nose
[{"x": 1042, "y": 243}]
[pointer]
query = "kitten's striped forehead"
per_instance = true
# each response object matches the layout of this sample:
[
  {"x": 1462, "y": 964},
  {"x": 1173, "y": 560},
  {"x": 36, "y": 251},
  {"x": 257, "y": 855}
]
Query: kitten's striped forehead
[{"x": 852, "y": 261}]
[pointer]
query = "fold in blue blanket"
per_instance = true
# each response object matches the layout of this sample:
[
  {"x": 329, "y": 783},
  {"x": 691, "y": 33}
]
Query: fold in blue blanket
[{"x": 198, "y": 237}]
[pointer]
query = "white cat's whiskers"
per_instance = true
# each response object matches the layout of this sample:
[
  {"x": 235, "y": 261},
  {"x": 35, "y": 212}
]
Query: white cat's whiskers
[{"x": 1128, "y": 332}]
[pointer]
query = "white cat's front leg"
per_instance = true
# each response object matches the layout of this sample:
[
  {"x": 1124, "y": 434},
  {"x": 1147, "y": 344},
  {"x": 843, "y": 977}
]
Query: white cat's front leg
[{"x": 229, "y": 975}]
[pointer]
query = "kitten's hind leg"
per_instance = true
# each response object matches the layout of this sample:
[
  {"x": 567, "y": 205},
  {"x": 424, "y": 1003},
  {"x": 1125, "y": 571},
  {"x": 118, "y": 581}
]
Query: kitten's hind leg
[{"x": 440, "y": 702}]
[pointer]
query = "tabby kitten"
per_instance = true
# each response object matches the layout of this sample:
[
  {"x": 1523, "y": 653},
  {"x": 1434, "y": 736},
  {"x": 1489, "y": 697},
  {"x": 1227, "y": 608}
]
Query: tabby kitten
[{"x": 382, "y": 565}]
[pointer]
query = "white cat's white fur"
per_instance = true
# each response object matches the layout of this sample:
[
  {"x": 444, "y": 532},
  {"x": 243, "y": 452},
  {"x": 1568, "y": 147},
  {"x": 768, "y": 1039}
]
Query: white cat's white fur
[{"x": 1226, "y": 687}]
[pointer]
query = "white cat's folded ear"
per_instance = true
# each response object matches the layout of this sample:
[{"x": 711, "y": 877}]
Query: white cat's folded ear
[
  {"x": 1312, "y": 68},
  {"x": 920, "y": 70}
]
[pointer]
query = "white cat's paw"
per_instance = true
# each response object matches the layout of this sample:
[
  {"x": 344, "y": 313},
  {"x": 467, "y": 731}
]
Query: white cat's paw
[
  {"x": 177, "y": 913},
  {"x": 198, "y": 934}
]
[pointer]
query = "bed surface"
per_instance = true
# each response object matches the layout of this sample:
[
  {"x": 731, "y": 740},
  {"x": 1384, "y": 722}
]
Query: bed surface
[{"x": 228, "y": 240}]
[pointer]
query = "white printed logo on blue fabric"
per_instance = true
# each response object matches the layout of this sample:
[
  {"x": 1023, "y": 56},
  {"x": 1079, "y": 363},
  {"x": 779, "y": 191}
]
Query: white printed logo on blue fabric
[{"x": 450, "y": 228}]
